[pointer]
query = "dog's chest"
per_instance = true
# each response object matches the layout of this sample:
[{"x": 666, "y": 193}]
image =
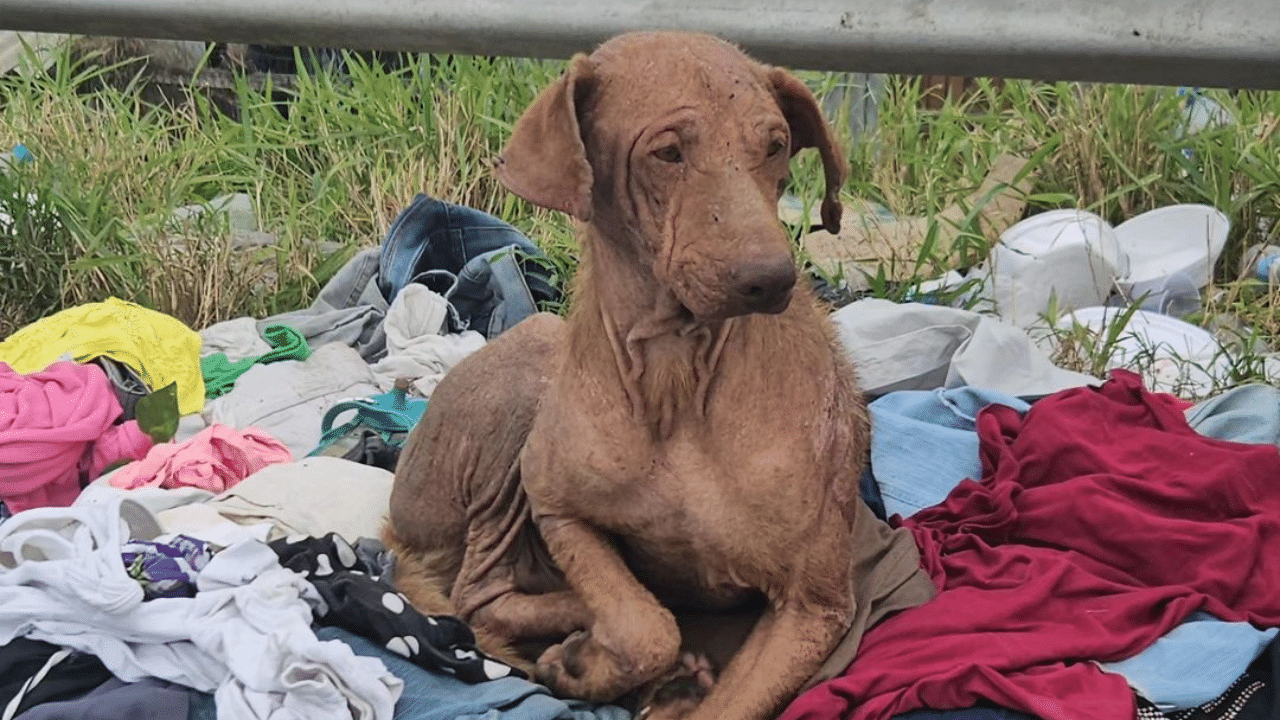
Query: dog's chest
[{"x": 697, "y": 515}]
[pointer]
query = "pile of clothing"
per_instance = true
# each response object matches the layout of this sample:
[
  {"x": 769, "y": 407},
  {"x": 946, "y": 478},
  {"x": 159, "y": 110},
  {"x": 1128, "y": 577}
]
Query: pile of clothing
[
  {"x": 189, "y": 520},
  {"x": 1100, "y": 551}
]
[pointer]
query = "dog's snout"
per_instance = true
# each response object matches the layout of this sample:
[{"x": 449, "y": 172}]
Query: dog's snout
[{"x": 765, "y": 285}]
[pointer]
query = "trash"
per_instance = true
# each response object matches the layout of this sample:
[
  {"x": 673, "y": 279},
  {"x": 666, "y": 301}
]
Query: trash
[
  {"x": 869, "y": 239},
  {"x": 1260, "y": 261},
  {"x": 1068, "y": 257},
  {"x": 237, "y": 207},
  {"x": 18, "y": 156},
  {"x": 1172, "y": 252},
  {"x": 1200, "y": 112},
  {"x": 17, "y": 48},
  {"x": 1174, "y": 356},
  {"x": 946, "y": 290},
  {"x": 22, "y": 154}
]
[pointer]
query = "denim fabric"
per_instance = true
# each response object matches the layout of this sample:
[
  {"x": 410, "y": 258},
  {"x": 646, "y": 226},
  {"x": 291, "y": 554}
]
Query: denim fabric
[
  {"x": 924, "y": 442},
  {"x": 1193, "y": 663},
  {"x": 428, "y": 696},
  {"x": 1247, "y": 414},
  {"x": 432, "y": 234},
  {"x": 498, "y": 289},
  {"x": 870, "y": 492},
  {"x": 487, "y": 269},
  {"x": 490, "y": 274}
]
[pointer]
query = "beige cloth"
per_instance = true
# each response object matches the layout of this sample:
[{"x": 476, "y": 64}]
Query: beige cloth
[{"x": 311, "y": 497}]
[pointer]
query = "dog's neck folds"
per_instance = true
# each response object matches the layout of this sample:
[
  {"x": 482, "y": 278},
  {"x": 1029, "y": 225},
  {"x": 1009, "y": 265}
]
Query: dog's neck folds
[{"x": 666, "y": 360}]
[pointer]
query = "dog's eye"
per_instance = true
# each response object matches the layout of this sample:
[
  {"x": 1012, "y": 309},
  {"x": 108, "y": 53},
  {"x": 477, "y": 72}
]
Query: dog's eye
[
  {"x": 669, "y": 153},
  {"x": 775, "y": 146}
]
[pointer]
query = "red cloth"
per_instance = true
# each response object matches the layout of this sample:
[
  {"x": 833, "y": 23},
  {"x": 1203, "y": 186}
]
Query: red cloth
[
  {"x": 52, "y": 424},
  {"x": 1103, "y": 520}
]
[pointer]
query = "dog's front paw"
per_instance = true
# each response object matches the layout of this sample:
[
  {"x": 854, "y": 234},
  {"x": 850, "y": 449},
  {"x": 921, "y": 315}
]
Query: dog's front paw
[
  {"x": 579, "y": 667},
  {"x": 677, "y": 694},
  {"x": 562, "y": 660},
  {"x": 582, "y": 667}
]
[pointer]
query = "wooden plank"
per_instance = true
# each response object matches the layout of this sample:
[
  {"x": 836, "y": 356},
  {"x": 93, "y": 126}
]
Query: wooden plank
[{"x": 12, "y": 51}]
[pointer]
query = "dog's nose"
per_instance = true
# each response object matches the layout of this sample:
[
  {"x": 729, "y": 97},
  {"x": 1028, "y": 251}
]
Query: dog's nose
[{"x": 765, "y": 285}]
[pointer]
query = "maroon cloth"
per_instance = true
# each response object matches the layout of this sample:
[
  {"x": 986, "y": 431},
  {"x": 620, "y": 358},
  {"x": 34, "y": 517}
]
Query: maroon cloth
[{"x": 1103, "y": 520}]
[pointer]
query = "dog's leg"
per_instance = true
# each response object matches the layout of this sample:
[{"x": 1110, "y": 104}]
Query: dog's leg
[
  {"x": 789, "y": 643},
  {"x": 632, "y": 639},
  {"x": 784, "y": 651},
  {"x": 490, "y": 596},
  {"x": 521, "y": 616}
]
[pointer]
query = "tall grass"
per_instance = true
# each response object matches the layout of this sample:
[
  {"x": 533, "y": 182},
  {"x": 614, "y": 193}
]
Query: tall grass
[{"x": 336, "y": 157}]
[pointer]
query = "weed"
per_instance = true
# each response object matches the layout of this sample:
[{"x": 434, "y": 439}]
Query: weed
[{"x": 330, "y": 161}]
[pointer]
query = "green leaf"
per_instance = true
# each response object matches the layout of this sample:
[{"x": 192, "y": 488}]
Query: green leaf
[{"x": 158, "y": 413}]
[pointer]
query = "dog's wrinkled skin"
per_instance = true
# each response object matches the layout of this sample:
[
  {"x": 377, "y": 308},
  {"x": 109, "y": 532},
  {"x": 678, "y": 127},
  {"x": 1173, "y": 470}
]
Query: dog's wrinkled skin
[{"x": 691, "y": 437}]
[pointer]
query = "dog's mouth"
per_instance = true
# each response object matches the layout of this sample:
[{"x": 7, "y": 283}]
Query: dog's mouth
[
  {"x": 698, "y": 301},
  {"x": 772, "y": 306}
]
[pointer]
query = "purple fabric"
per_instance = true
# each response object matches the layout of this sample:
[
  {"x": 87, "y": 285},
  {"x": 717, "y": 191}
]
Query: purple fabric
[{"x": 166, "y": 569}]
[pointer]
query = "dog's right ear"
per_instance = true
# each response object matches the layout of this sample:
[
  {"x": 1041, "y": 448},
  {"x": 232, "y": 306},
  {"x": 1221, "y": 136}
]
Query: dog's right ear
[
  {"x": 545, "y": 161},
  {"x": 810, "y": 129}
]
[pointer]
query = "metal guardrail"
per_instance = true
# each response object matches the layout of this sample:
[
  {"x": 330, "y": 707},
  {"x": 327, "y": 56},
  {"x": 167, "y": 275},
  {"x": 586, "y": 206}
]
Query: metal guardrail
[{"x": 1213, "y": 43}]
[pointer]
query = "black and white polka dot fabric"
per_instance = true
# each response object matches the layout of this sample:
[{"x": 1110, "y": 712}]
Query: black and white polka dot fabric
[{"x": 359, "y": 600}]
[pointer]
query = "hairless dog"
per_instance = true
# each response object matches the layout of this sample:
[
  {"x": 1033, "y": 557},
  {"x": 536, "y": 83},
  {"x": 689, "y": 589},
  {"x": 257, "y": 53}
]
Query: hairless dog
[{"x": 691, "y": 438}]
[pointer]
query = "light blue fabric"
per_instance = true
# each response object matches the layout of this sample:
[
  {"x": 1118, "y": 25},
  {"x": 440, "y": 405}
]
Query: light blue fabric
[
  {"x": 1247, "y": 414},
  {"x": 429, "y": 696},
  {"x": 924, "y": 442},
  {"x": 432, "y": 696},
  {"x": 1194, "y": 662}
]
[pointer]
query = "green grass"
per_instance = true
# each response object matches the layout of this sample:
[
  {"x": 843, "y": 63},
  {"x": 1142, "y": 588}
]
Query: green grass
[
  {"x": 336, "y": 163},
  {"x": 339, "y": 160}
]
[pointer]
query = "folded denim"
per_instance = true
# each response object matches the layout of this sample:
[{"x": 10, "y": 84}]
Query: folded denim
[
  {"x": 492, "y": 275},
  {"x": 1193, "y": 663},
  {"x": 924, "y": 442}
]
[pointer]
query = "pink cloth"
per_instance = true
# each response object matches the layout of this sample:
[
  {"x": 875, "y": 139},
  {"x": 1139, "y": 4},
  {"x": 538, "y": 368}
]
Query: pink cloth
[
  {"x": 216, "y": 459},
  {"x": 54, "y": 423},
  {"x": 1102, "y": 521}
]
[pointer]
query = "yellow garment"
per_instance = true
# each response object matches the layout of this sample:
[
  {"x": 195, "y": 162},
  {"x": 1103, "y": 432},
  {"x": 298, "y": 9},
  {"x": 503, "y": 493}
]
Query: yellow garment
[{"x": 160, "y": 348}]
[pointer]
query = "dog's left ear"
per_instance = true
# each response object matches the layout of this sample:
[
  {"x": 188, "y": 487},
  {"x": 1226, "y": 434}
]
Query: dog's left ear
[{"x": 809, "y": 129}]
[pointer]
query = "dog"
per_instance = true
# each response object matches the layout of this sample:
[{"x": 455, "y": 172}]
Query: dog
[{"x": 691, "y": 438}]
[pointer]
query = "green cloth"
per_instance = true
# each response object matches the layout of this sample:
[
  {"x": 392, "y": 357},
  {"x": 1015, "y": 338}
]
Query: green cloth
[{"x": 220, "y": 374}]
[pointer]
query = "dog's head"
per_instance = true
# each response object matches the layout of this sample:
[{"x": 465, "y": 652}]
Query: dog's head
[{"x": 676, "y": 147}]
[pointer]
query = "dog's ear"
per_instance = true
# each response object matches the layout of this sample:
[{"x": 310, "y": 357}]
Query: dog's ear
[
  {"x": 809, "y": 129},
  {"x": 545, "y": 161}
]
